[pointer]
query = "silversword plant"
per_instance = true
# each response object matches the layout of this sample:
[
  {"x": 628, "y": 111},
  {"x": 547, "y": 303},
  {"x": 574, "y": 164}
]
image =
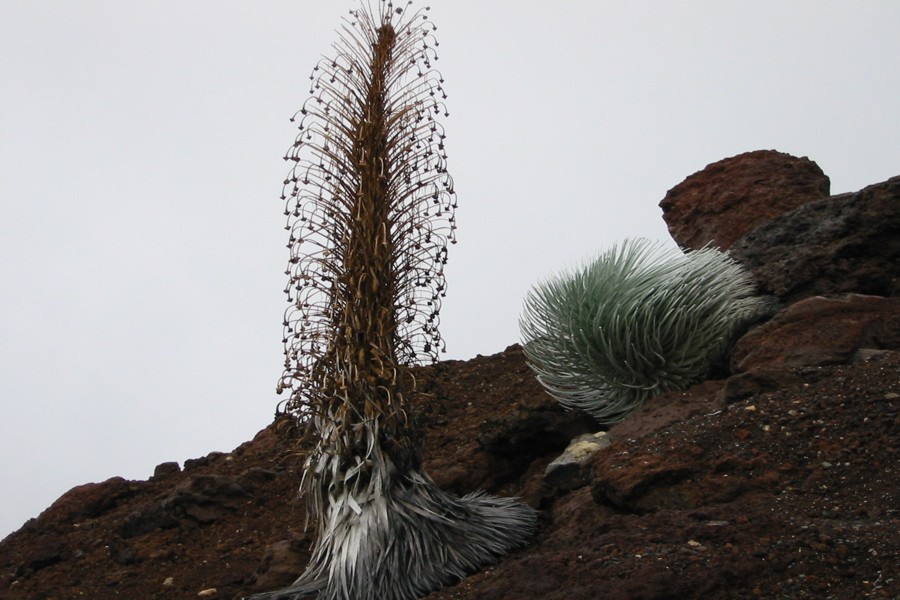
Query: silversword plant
[
  {"x": 640, "y": 320},
  {"x": 370, "y": 210}
]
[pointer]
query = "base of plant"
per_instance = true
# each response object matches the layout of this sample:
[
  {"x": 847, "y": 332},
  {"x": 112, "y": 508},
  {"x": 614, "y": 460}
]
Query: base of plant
[{"x": 407, "y": 542}]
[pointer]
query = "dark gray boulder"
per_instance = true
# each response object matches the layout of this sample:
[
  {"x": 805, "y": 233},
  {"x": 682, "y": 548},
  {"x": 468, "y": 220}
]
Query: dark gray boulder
[{"x": 849, "y": 243}]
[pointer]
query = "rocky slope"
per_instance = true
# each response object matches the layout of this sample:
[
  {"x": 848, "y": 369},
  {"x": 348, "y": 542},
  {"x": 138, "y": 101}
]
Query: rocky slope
[{"x": 776, "y": 479}]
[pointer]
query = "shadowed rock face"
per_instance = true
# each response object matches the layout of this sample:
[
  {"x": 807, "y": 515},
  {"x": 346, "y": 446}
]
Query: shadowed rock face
[
  {"x": 730, "y": 198},
  {"x": 846, "y": 243}
]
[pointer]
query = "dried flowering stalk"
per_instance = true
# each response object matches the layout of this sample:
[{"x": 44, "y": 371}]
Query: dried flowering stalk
[{"x": 370, "y": 210}]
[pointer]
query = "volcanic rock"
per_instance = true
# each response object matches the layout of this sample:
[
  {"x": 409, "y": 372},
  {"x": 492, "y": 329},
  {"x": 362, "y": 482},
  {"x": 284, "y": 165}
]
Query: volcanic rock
[
  {"x": 820, "y": 331},
  {"x": 734, "y": 196},
  {"x": 166, "y": 469},
  {"x": 567, "y": 471},
  {"x": 198, "y": 501},
  {"x": 845, "y": 243},
  {"x": 89, "y": 500},
  {"x": 281, "y": 564}
]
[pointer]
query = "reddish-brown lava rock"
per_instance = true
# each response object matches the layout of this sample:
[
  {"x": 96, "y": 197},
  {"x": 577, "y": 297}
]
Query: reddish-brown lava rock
[
  {"x": 765, "y": 498},
  {"x": 734, "y": 196},
  {"x": 479, "y": 449},
  {"x": 819, "y": 331},
  {"x": 281, "y": 563},
  {"x": 88, "y": 501},
  {"x": 670, "y": 408}
]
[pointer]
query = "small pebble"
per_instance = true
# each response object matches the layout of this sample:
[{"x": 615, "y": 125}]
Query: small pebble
[
  {"x": 169, "y": 581},
  {"x": 716, "y": 524},
  {"x": 207, "y": 593}
]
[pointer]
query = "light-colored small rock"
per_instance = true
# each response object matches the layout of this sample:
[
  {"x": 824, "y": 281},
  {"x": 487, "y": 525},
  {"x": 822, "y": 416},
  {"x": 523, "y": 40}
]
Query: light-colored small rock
[
  {"x": 169, "y": 582},
  {"x": 582, "y": 449},
  {"x": 207, "y": 593},
  {"x": 566, "y": 471},
  {"x": 865, "y": 354}
]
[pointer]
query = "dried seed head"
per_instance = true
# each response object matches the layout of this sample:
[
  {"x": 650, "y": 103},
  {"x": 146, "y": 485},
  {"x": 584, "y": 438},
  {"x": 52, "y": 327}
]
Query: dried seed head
[{"x": 365, "y": 250}]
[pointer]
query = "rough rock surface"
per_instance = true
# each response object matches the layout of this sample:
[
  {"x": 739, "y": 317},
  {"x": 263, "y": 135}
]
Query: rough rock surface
[
  {"x": 567, "y": 471},
  {"x": 846, "y": 243},
  {"x": 734, "y": 196},
  {"x": 820, "y": 331}
]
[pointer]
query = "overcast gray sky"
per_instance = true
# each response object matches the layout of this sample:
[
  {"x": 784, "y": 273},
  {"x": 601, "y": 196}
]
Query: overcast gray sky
[{"x": 141, "y": 241}]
